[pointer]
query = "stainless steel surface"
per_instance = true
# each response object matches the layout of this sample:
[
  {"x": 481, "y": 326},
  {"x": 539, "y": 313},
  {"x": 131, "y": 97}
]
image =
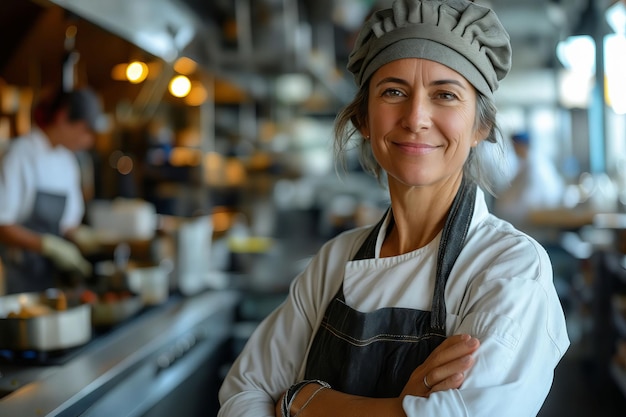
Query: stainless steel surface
[
  {"x": 52, "y": 331},
  {"x": 149, "y": 351}
]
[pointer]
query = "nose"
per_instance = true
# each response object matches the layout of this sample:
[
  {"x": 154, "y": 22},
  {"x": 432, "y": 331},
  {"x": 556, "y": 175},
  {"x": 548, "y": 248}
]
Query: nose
[{"x": 417, "y": 114}]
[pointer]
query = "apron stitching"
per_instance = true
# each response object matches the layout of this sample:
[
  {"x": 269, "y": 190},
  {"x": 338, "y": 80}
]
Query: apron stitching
[{"x": 379, "y": 338}]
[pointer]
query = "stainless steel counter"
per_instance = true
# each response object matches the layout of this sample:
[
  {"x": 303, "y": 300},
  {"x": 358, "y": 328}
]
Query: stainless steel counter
[{"x": 129, "y": 370}]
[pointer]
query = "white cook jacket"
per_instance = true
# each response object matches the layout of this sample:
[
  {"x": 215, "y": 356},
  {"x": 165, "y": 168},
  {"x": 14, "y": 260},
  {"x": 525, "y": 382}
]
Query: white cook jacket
[
  {"x": 500, "y": 290},
  {"x": 31, "y": 164}
]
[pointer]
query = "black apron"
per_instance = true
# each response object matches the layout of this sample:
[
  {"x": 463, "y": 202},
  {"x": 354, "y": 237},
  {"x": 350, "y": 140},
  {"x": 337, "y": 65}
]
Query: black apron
[
  {"x": 27, "y": 271},
  {"x": 373, "y": 354}
]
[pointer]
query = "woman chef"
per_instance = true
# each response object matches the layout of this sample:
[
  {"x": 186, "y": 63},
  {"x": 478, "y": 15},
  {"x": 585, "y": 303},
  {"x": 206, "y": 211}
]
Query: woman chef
[{"x": 441, "y": 309}]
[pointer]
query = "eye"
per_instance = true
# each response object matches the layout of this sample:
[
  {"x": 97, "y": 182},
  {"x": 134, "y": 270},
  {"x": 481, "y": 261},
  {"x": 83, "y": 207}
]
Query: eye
[
  {"x": 392, "y": 93},
  {"x": 446, "y": 95}
]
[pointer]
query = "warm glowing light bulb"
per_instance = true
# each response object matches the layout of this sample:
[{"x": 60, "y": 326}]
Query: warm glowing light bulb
[
  {"x": 136, "y": 72},
  {"x": 180, "y": 86}
]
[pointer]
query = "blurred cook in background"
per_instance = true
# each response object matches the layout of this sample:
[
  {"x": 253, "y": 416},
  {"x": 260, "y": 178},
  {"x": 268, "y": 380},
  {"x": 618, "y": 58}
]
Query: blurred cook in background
[
  {"x": 537, "y": 185},
  {"x": 41, "y": 200}
]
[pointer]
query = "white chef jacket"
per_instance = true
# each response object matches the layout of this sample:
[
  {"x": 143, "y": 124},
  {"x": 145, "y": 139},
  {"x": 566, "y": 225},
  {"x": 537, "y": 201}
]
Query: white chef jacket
[
  {"x": 32, "y": 164},
  {"x": 500, "y": 290}
]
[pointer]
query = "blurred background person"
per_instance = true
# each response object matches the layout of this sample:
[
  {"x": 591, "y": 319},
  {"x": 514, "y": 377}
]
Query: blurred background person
[
  {"x": 536, "y": 185},
  {"x": 41, "y": 199}
]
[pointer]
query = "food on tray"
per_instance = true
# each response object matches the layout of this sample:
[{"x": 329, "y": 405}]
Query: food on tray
[
  {"x": 110, "y": 297},
  {"x": 48, "y": 302},
  {"x": 30, "y": 311},
  {"x": 88, "y": 297},
  {"x": 120, "y": 306},
  {"x": 91, "y": 297}
]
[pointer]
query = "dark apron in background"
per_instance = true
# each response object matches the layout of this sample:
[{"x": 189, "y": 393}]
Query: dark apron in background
[
  {"x": 373, "y": 354},
  {"x": 27, "y": 271}
]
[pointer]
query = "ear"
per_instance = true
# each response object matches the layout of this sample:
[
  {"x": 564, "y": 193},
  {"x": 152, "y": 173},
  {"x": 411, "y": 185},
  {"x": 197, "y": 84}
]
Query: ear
[
  {"x": 364, "y": 130},
  {"x": 480, "y": 135}
]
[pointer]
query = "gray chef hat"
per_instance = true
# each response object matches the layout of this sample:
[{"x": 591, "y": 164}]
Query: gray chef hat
[
  {"x": 459, "y": 34},
  {"x": 81, "y": 104}
]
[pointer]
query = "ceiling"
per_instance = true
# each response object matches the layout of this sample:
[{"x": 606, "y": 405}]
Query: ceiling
[{"x": 243, "y": 39}]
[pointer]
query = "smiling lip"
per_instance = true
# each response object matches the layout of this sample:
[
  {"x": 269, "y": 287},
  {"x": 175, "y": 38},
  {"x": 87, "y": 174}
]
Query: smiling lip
[{"x": 417, "y": 148}]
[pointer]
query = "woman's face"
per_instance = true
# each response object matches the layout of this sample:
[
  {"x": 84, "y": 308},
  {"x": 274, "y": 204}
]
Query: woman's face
[{"x": 421, "y": 117}]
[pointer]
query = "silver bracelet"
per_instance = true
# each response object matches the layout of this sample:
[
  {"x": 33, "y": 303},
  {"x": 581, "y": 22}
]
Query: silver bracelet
[
  {"x": 323, "y": 387},
  {"x": 290, "y": 395},
  {"x": 294, "y": 390}
]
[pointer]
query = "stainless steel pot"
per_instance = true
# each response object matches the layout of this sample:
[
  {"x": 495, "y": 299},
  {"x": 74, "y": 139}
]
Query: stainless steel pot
[
  {"x": 105, "y": 314},
  {"x": 48, "y": 332}
]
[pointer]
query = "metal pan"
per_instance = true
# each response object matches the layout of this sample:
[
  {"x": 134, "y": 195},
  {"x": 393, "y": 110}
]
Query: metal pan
[
  {"x": 109, "y": 279},
  {"x": 105, "y": 314},
  {"x": 54, "y": 330}
]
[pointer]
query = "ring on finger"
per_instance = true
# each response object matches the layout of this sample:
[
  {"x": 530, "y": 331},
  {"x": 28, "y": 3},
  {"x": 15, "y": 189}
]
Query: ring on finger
[{"x": 426, "y": 384}]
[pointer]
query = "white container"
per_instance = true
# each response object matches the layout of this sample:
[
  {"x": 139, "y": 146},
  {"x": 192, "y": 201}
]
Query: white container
[
  {"x": 152, "y": 283},
  {"x": 120, "y": 219},
  {"x": 193, "y": 252}
]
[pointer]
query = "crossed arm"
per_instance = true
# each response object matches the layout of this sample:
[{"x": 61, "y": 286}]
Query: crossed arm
[{"x": 444, "y": 369}]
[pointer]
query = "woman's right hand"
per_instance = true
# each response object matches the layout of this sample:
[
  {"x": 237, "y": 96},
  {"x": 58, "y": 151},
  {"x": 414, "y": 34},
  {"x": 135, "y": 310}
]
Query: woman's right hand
[{"x": 444, "y": 368}]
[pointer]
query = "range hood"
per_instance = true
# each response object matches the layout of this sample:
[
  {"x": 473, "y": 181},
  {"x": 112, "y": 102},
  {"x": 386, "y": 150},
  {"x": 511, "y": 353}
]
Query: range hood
[{"x": 164, "y": 28}]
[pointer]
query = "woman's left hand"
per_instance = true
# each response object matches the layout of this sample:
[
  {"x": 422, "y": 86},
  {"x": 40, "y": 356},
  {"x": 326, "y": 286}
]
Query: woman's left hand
[{"x": 444, "y": 368}]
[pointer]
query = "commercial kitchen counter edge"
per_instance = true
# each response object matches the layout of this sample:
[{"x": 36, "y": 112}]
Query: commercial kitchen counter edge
[{"x": 143, "y": 350}]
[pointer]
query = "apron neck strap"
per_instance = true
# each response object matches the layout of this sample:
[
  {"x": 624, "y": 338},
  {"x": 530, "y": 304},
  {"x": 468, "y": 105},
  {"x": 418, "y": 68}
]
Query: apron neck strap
[
  {"x": 452, "y": 241},
  {"x": 368, "y": 248}
]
